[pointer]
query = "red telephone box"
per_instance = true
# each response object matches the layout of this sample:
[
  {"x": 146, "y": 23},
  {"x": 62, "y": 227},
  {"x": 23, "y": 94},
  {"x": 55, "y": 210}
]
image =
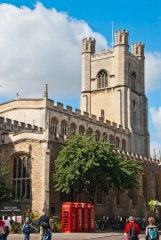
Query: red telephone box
[
  {"x": 85, "y": 217},
  {"x": 91, "y": 217},
  {"x": 78, "y": 218},
  {"x": 68, "y": 217}
]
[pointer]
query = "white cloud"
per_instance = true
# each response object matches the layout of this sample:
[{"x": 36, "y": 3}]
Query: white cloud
[
  {"x": 156, "y": 119},
  {"x": 41, "y": 46},
  {"x": 153, "y": 70},
  {"x": 155, "y": 142}
]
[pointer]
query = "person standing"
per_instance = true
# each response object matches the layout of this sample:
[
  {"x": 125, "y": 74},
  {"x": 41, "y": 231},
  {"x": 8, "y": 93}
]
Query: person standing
[
  {"x": 2, "y": 228},
  {"x": 132, "y": 228},
  {"x": 151, "y": 231},
  {"x": 27, "y": 230},
  {"x": 43, "y": 222},
  {"x": 7, "y": 227}
]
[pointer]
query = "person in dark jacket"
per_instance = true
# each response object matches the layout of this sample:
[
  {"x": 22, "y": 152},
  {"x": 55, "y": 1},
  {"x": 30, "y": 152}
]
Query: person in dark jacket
[{"x": 43, "y": 222}]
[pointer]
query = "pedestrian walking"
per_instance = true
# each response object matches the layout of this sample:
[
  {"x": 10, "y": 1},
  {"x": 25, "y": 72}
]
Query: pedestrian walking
[
  {"x": 43, "y": 222},
  {"x": 151, "y": 231},
  {"x": 7, "y": 227},
  {"x": 132, "y": 229}
]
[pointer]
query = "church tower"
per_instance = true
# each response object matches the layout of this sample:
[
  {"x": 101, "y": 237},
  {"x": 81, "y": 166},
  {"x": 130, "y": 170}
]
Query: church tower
[{"x": 113, "y": 88}]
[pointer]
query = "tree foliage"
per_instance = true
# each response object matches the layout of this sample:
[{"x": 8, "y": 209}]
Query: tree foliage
[
  {"x": 86, "y": 165},
  {"x": 5, "y": 190}
]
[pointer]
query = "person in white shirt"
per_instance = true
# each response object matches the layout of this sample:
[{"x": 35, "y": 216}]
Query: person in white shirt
[{"x": 7, "y": 226}]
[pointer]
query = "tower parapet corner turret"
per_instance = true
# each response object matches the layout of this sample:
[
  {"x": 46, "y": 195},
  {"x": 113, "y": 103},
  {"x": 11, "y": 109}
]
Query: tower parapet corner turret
[
  {"x": 88, "y": 45},
  {"x": 138, "y": 49},
  {"x": 121, "y": 38}
]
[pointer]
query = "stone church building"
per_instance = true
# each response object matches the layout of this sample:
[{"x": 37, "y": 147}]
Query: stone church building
[{"x": 113, "y": 106}]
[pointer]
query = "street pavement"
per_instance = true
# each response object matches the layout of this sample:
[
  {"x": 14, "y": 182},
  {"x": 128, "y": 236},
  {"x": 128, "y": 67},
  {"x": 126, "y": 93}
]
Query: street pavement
[{"x": 77, "y": 236}]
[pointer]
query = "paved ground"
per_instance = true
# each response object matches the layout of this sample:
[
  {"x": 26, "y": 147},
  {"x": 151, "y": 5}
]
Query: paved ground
[{"x": 77, "y": 236}]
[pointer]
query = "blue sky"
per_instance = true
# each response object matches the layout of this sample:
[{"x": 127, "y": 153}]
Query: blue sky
[{"x": 41, "y": 43}]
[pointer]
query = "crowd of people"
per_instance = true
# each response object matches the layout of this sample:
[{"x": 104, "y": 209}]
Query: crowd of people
[
  {"x": 132, "y": 228},
  {"x": 43, "y": 224}
]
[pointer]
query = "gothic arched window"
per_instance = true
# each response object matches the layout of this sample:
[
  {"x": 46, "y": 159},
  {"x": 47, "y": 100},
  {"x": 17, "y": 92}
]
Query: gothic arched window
[
  {"x": 145, "y": 190},
  {"x": 133, "y": 80},
  {"x": 117, "y": 195},
  {"x": 64, "y": 197},
  {"x": 133, "y": 196},
  {"x": 81, "y": 129},
  {"x": 90, "y": 130},
  {"x": 97, "y": 135},
  {"x": 105, "y": 137},
  {"x": 21, "y": 177},
  {"x": 64, "y": 128},
  {"x": 123, "y": 144},
  {"x": 157, "y": 188},
  {"x": 53, "y": 127},
  {"x": 99, "y": 195},
  {"x": 117, "y": 142},
  {"x": 73, "y": 127},
  {"x": 111, "y": 139},
  {"x": 102, "y": 79}
]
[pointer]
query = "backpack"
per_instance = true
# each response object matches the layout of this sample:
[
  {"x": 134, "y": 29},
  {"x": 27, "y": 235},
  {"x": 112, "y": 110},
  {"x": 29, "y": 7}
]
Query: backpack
[
  {"x": 26, "y": 229},
  {"x": 132, "y": 232},
  {"x": 152, "y": 233},
  {"x": 48, "y": 235}
]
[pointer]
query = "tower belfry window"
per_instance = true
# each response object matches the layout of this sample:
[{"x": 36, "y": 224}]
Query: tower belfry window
[
  {"x": 102, "y": 79},
  {"x": 133, "y": 81}
]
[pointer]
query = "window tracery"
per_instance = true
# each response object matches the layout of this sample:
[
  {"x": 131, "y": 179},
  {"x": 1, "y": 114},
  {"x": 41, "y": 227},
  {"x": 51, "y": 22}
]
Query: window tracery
[
  {"x": 133, "y": 196},
  {"x": 90, "y": 130},
  {"x": 21, "y": 177},
  {"x": 105, "y": 137},
  {"x": 54, "y": 125},
  {"x": 102, "y": 79},
  {"x": 64, "y": 128},
  {"x": 81, "y": 129},
  {"x": 97, "y": 135},
  {"x": 118, "y": 196},
  {"x": 123, "y": 144},
  {"x": 133, "y": 80},
  {"x": 111, "y": 139},
  {"x": 145, "y": 190},
  {"x": 73, "y": 127},
  {"x": 117, "y": 142}
]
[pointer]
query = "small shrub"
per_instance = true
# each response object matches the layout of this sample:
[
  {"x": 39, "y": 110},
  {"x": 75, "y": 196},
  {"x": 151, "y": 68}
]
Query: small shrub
[{"x": 56, "y": 225}]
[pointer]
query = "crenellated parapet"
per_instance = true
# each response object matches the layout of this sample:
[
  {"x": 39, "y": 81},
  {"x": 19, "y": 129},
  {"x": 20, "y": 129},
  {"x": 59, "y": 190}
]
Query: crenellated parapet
[
  {"x": 85, "y": 116},
  {"x": 140, "y": 158},
  {"x": 103, "y": 53},
  {"x": 10, "y": 125}
]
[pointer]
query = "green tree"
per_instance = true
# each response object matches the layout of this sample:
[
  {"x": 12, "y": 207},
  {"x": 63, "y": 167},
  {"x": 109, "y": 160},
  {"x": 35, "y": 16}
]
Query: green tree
[
  {"x": 87, "y": 165},
  {"x": 5, "y": 190}
]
